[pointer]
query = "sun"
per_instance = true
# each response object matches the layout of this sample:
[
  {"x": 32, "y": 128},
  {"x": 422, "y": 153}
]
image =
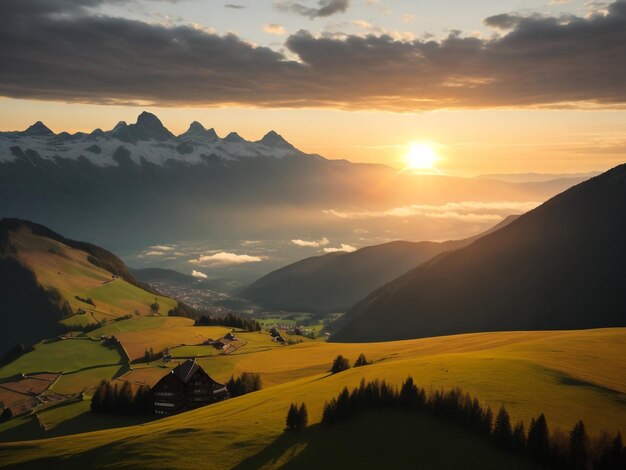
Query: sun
[{"x": 421, "y": 157}]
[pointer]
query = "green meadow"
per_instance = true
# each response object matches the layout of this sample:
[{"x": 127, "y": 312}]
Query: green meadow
[
  {"x": 57, "y": 266},
  {"x": 568, "y": 375}
]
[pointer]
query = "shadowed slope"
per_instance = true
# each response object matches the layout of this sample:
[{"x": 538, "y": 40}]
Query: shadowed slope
[
  {"x": 334, "y": 282},
  {"x": 560, "y": 266}
]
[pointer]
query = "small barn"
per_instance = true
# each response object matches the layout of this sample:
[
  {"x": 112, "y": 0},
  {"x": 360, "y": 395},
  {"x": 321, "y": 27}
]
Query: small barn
[{"x": 185, "y": 388}]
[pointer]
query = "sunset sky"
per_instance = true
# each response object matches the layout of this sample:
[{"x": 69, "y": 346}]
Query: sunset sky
[{"x": 492, "y": 86}]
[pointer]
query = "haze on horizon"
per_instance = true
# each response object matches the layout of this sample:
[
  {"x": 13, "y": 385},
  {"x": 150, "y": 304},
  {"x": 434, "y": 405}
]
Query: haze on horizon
[{"x": 494, "y": 90}]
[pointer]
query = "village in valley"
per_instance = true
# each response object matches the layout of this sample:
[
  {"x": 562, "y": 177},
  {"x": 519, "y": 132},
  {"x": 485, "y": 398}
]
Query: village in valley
[{"x": 170, "y": 375}]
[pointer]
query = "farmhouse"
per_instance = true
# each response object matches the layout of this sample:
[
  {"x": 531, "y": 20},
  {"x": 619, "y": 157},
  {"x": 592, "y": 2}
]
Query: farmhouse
[{"x": 186, "y": 387}]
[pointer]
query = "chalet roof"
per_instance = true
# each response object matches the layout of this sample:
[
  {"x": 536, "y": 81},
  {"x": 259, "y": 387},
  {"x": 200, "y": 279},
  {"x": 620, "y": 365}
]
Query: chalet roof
[{"x": 186, "y": 370}]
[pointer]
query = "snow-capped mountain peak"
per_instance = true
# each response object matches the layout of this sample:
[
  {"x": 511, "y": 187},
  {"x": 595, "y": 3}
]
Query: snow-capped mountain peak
[
  {"x": 38, "y": 129},
  {"x": 147, "y": 140}
]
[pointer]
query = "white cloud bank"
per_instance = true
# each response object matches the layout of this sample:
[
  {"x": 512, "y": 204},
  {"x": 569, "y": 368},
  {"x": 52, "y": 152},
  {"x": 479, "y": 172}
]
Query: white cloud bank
[
  {"x": 226, "y": 258},
  {"x": 342, "y": 248},
  {"x": 162, "y": 248},
  {"x": 154, "y": 253},
  {"x": 468, "y": 211},
  {"x": 198, "y": 274},
  {"x": 312, "y": 244}
]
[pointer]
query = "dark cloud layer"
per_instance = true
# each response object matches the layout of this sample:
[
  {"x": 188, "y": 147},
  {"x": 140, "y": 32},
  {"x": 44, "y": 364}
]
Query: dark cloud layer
[
  {"x": 324, "y": 8},
  {"x": 79, "y": 56}
]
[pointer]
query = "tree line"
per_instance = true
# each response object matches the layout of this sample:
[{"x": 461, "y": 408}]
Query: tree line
[
  {"x": 113, "y": 399},
  {"x": 245, "y": 383},
  {"x": 575, "y": 450},
  {"x": 246, "y": 324}
]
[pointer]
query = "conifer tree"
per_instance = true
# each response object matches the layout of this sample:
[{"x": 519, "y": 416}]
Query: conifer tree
[
  {"x": 578, "y": 447},
  {"x": 519, "y": 436},
  {"x": 538, "y": 441},
  {"x": 303, "y": 417},
  {"x": 98, "y": 397},
  {"x": 340, "y": 364},
  {"x": 125, "y": 399},
  {"x": 408, "y": 393},
  {"x": 361, "y": 361},
  {"x": 343, "y": 404},
  {"x": 502, "y": 433},
  {"x": 292, "y": 418},
  {"x": 6, "y": 414},
  {"x": 616, "y": 454},
  {"x": 486, "y": 421},
  {"x": 329, "y": 416},
  {"x": 108, "y": 398}
]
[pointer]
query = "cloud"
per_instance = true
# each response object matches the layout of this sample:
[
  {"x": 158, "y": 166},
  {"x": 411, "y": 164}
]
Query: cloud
[
  {"x": 198, "y": 274},
  {"x": 324, "y": 7},
  {"x": 545, "y": 62},
  {"x": 503, "y": 21},
  {"x": 377, "y": 30},
  {"x": 343, "y": 247},
  {"x": 162, "y": 248},
  {"x": 154, "y": 253},
  {"x": 313, "y": 244},
  {"x": 275, "y": 29},
  {"x": 468, "y": 211},
  {"x": 226, "y": 258}
]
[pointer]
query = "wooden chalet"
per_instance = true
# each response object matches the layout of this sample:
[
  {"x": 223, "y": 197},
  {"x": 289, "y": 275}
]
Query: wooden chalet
[{"x": 185, "y": 388}]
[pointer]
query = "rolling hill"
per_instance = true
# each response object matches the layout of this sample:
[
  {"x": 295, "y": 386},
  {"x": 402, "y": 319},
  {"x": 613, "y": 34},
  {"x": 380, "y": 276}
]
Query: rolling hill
[
  {"x": 336, "y": 281},
  {"x": 50, "y": 284},
  {"x": 569, "y": 375},
  {"x": 560, "y": 266}
]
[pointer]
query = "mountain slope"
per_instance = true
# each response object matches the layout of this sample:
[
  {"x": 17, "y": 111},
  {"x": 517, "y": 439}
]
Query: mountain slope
[
  {"x": 559, "y": 266},
  {"x": 49, "y": 283},
  {"x": 336, "y": 281}
]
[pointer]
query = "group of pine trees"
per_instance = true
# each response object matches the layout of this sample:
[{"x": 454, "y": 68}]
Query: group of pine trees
[
  {"x": 246, "y": 383},
  {"x": 568, "y": 451},
  {"x": 246, "y": 324},
  {"x": 112, "y": 399},
  {"x": 341, "y": 363},
  {"x": 297, "y": 418},
  {"x": 149, "y": 355}
]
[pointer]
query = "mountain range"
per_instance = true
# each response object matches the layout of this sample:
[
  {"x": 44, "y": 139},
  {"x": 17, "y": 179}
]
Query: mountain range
[
  {"x": 147, "y": 140},
  {"x": 559, "y": 266},
  {"x": 138, "y": 184},
  {"x": 336, "y": 281}
]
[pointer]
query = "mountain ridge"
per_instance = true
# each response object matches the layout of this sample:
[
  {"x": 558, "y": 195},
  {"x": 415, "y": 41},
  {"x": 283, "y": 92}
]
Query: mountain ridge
[
  {"x": 147, "y": 136},
  {"x": 335, "y": 281},
  {"x": 559, "y": 266}
]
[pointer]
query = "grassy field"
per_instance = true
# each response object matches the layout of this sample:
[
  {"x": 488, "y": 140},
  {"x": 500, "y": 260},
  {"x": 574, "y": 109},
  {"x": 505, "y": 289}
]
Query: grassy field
[
  {"x": 172, "y": 332},
  {"x": 566, "y": 374},
  {"x": 68, "y": 270},
  {"x": 308, "y": 321},
  {"x": 67, "y": 356}
]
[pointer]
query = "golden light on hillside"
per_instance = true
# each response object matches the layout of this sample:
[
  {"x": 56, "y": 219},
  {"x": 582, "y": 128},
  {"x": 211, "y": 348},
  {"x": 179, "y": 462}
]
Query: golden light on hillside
[{"x": 421, "y": 157}]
